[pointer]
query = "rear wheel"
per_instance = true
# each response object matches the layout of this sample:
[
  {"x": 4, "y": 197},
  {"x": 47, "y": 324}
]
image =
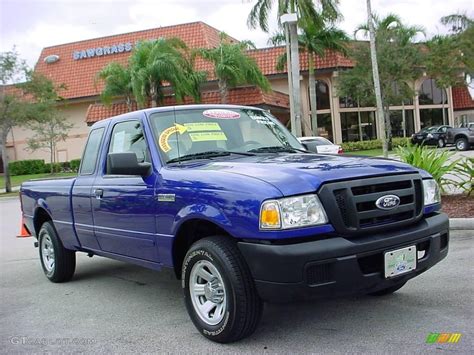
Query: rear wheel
[
  {"x": 462, "y": 144},
  {"x": 58, "y": 262},
  {"x": 388, "y": 290},
  {"x": 219, "y": 291}
]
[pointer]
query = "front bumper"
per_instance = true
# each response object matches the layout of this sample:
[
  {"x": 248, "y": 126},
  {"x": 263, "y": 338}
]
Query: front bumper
[{"x": 337, "y": 266}]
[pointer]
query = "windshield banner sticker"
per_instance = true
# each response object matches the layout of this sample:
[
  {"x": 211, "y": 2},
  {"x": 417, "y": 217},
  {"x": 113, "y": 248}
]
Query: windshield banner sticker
[
  {"x": 202, "y": 126},
  {"x": 165, "y": 136},
  {"x": 207, "y": 136},
  {"x": 221, "y": 114}
]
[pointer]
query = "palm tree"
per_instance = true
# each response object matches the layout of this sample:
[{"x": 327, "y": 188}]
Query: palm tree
[
  {"x": 117, "y": 81},
  {"x": 155, "y": 63},
  {"x": 233, "y": 66},
  {"x": 389, "y": 29},
  {"x": 307, "y": 10},
  {"x": 314, "y": 41}
]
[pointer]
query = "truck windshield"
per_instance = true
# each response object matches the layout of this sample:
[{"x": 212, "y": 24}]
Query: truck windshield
[{"x": 208, "y": 133}]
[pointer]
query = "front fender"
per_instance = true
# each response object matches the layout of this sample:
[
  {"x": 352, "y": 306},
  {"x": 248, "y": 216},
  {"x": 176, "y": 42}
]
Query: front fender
[{"x": 201, "y": 211}]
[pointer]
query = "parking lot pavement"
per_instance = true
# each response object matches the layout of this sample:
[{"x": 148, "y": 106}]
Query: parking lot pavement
[{"x": 111, "y": 306}]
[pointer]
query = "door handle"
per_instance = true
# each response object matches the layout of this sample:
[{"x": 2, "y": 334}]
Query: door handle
[{"x": 98, "y": 193}]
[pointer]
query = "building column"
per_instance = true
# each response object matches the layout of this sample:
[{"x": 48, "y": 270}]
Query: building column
[{"x": 335, "y": 113}]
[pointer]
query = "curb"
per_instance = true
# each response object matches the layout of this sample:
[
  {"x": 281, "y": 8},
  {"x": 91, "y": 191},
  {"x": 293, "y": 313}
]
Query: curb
[{"x": 461, "y": 224}]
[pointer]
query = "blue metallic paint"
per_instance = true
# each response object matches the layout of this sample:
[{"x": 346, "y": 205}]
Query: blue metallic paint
[{"x": 129, "y": 223}]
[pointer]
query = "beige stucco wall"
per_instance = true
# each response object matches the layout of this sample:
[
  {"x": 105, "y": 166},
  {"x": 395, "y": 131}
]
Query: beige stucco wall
[{"x": 67, "y": 150}]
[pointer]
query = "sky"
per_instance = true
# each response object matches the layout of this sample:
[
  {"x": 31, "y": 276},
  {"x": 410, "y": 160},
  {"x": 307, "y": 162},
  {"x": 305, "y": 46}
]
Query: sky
[{"x": 31, "y": 25}]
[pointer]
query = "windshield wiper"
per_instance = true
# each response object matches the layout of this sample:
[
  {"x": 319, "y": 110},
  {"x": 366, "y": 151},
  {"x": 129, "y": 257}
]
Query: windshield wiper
[
  {"x": 277, "y": 149},
  {"x": 206, "y": 155}
]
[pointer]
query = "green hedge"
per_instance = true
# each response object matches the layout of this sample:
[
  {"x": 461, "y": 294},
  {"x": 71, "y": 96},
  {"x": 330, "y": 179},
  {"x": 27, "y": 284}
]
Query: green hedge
[
  {"x": 38, "y": 166},
  {"x": 74, "y": 164},
  {"x": 372, "y": 144},
  {"x": 25, "y": 167}
]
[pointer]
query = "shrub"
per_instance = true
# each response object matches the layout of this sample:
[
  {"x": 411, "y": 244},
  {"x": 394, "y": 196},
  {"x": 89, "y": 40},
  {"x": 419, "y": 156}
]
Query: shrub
[
  {"x": 465, "y": 172},
  {"x": 433, "y": 161},
  {"x": 26, "y": 167},
  {"x": 372, "y": 144},
  {"x": 74, "y": 164},
  {"x": 57, "y": 168}
]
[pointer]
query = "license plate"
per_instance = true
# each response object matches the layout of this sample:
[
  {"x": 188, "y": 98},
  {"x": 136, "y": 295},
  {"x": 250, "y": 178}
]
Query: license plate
[{"x": 400, "y": 261}]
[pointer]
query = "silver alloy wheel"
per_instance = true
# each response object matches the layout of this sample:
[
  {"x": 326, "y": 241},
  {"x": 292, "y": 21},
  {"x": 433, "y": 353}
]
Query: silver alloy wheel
[
  {"x": 208, "y": 293},
  {"x": 47, "y": 252},
  {"x": 460, "y": 144},
  {"x": 441, "y": 143}
]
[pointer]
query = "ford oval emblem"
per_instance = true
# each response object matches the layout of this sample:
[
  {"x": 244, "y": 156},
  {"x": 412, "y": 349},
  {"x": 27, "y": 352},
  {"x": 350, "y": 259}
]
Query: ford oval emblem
[{"x": 387, "y": 202}]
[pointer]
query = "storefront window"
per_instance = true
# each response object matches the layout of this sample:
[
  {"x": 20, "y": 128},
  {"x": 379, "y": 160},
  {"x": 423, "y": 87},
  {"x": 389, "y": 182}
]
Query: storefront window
[
  {"x": 358, "y": 126},
  {"x": 402, "y": 123},
  {"x": 346, "y": 102},
  {"x": 322, "y": 95},
  {"x": 433, "y": 117},
  {"x": 431, "y": 94},
  {"x": 401, "y": 94},
  {"x": 325, "y": 126}
]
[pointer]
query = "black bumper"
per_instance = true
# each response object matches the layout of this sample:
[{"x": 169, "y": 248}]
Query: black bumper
[{"x": 337, "y": 266}]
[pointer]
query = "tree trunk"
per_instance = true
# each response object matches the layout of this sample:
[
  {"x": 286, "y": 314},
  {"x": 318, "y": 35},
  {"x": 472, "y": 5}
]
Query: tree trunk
[
  {"x": 388, "y": 127},
  {"x": 223, "y": 91},
  {"x": 6, "y": 172},
  {"x": 313, "y": 95},
  {"x": 128, "y": 100},
  {"x": 51, "y": 154},
  {"x": 375, "y": 73}
]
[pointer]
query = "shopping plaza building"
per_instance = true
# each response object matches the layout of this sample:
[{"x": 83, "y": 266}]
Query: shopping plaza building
[{"x": 75, "y": 65}]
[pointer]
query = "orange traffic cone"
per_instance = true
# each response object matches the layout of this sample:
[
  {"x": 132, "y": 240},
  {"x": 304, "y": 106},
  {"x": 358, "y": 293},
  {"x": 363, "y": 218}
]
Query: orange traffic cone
[{"x": 24, "y": 233}]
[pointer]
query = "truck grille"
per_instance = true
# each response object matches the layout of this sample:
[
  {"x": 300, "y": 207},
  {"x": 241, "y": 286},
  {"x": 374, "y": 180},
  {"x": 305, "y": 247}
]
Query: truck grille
[{"x": 350, "y": 205}]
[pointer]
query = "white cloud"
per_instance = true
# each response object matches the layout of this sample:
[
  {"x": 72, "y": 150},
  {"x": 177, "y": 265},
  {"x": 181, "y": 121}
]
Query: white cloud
[{"x": 54, "y": 22}]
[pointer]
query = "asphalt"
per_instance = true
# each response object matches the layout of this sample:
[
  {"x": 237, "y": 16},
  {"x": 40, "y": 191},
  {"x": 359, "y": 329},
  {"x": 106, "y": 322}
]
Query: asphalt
[{"x": 111, "y": 306}]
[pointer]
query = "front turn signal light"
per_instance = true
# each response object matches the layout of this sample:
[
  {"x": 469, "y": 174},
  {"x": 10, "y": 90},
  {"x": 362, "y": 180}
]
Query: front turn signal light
[{"x": 270, "y": 215}]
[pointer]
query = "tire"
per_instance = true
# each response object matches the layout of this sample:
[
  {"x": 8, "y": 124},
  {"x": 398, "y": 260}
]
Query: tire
[
  {"x": 234, "y": 307},
  {"x": 441, "y": 143},
  {"x": 388, "y": 290},
  {"x": 462, "y": 144},
  {"x": 58, "y": 262}
]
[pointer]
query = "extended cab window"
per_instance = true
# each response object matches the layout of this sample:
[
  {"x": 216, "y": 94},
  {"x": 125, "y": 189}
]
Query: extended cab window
[
  {"x": 128, "y": 137},
  {"x": 91, "y": 152}
]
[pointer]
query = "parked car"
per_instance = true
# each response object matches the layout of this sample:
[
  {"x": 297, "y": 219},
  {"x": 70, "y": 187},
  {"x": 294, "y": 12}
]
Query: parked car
[
  {"x": 227, "y": 198},
  {"x": 462, "y": 138},
  {"x": 320, "y": 145},
  {"x": 435, "y": 135}
]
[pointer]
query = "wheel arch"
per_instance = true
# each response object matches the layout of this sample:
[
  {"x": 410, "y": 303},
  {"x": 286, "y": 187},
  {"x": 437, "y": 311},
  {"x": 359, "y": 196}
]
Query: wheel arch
[
  {"x": 41, "y": 216},
  {"x": 189, "y": 232}
]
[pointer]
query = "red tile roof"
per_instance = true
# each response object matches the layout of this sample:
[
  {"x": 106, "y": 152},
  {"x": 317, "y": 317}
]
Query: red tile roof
[
  {"x": 239, "y": 96},
  {"x": 78, "y": 75},
  {"x": 462, "y": 99}
]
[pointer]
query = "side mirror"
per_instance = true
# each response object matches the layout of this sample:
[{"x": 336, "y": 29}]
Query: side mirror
[{"x": 126, "y": 164}]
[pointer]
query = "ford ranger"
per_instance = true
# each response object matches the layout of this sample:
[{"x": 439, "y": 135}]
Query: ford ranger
[{"x": 234, "y": 204}]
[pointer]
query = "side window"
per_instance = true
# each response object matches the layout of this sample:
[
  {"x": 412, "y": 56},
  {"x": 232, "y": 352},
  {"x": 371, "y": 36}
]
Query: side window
[
  {"x": 128, "y": 137},
  {"x": 91, "y": 152}
]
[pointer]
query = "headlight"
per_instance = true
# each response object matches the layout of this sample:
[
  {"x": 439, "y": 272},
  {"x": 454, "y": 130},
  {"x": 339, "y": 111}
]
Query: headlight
[
  {"x": 292, "y": 212},
  {"x": 432, "y": 193},
  {"x": 429, "y": 136}
]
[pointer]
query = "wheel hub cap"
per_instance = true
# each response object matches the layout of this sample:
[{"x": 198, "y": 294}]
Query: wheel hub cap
[{"x": 207, "y": 291}]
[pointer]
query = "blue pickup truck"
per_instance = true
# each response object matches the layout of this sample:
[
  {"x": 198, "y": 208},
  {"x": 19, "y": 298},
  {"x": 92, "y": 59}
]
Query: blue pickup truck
[{"x": 234, "y": 204}]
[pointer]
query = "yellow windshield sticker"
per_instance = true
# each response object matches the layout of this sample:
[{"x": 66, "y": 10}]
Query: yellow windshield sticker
[
  {"x": 165, "y": 136},
  {"x": 202, "y": 126},
  {"x": 207, "y": 136}
]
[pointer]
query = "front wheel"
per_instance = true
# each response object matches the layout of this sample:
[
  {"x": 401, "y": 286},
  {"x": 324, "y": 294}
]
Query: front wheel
[
  {"x": 441, "y": 143},
  {"x": 219, "y": 291},
  {"x": 58, "y": 262},
  {"x": 462, "y": 144}
]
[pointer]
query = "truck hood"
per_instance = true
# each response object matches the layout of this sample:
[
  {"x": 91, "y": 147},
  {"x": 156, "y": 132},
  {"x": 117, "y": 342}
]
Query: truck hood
[{"x": 301, "y": 173}]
